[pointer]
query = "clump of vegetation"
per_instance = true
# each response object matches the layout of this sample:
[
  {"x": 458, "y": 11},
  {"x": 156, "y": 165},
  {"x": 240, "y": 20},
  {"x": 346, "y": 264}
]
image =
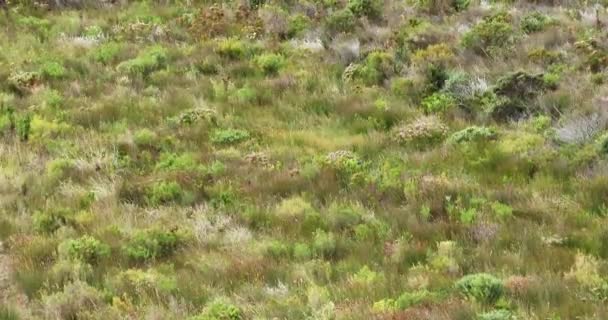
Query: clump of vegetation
[
  {"x": 145, "y": 63},
  {"x": 473, "y": 134},
  {"x": 423, "y": 131},
  {"x": 86, "y": 249},
  {"x": 492, "y": 33},
  {"x": 534, "y": 22},
  {"x": 229, "y": 136},
  {"x": 270, "y": 63},
  {"x": 481, "y": 287},
  {"x": 153, "y": 244}
]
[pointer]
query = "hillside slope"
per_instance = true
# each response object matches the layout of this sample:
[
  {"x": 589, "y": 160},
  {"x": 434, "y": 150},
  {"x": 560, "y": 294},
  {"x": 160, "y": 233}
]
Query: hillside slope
[{"x": 304, "y": 159}]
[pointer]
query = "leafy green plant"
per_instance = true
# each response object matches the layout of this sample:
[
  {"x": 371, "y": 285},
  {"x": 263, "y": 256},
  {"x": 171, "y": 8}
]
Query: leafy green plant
[
  {"x": 150, "y": 60},
  {"x": 368, "y": 8},
  {"x": 496, "y": 315},
  {"x": 534, "y": 22},
  {"x": 494, "y": 31},
  {"x": 232, "y": 48},
  {"x": 270, "y": 63},
  {"x": 342, "y": 21},
  {"x": 473, "y": 134},
  {"x": 220, "y": 309},
  {"x": 52, "y": 70},
  {"x": 482, "y": 287},
  {"x": 153, "y": 244},
  {"x": 23, "y": 126},
  {"x": 438, "y": 102},
  {"x": 86, "y": 249},
  {"x": 107, "y": 52},
  {"x": 164, "y": 193},
  {"x": 229, "y": 136}
]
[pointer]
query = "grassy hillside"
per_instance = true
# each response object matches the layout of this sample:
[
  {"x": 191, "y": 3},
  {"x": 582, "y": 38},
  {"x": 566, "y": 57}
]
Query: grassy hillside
[{"x": 304, "y": 159}]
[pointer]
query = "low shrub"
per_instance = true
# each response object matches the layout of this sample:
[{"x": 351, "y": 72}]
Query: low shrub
[
  {"x": 220, "y": 309},
  {"x": 270, "y": 63},
  {"x": 153, "y": 244},
  {"x": 152, "y": 59},
  {"x": 473, "y": 134},
  {"x": 534, "y": 22},
  {"x": 438, "y": 102},
  {"x": 482, "y": 287},
  {"x": 495, "y": 31},
  {"x": 341, "y": 21},
  {"x": 372, "y": 9},
  {"x": 86, "y": 249},
  {"x": 164, "y": 192},
  {"x": 229, "y": 136},
  {"x": 422, "y": 132}
]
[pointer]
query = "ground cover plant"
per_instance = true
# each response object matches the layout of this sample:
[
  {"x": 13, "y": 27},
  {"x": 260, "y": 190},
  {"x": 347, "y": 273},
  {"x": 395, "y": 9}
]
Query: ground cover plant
[{"x": 303, "y": 159}]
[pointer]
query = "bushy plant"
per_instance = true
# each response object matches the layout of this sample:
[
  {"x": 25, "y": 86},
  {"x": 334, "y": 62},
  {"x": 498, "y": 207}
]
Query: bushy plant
[
  {"x": 164, "y": 192},
  {"x": 106, "y": 53},
  {"x": 229, "y": 136},
  {"x": 371, "y": 9},
  {"x": 377, "y": 67},
  {"x": 150, "y": 60},
  {"x": 482, "y": 287},
  {"x": 297, "y": 24},
  {"x": 137, "y": 284},
  {"x": 438, "y": 102},
  {"x": 52, "y": 70},
  {"x": 423, "y": 131},
  {"x": 232, "y": 48},
  {"x": 86, "y": 249},
  {"x": 220, "y": 309},
  {"x": 493, "y": 31},
  {"x": 324, "y": 244},
  {"x": 342, "y": 21},
  {"x": 473, "y": 134},
  {"x": 23, "y": 126},
  {"x": 496, "y": 315},
  {"x": 270, "y": 63},
  {"x": 534, "y": 22},
  {"x": 153, "y": 244}
]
